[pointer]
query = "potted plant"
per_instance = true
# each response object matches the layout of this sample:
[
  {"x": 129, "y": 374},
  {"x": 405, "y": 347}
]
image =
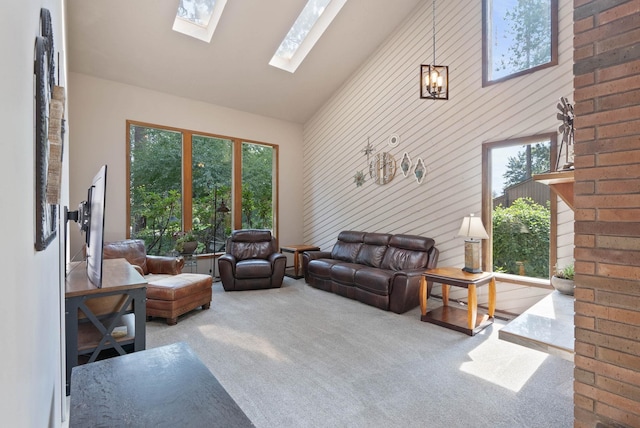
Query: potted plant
[
  {"x": 563, "y": 280},
  {"x": 186, "y": 242}
]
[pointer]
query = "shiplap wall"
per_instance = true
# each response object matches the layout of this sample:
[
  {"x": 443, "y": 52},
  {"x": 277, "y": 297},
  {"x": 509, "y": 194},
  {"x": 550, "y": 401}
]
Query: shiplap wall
[{"x": 382, "y": 99}]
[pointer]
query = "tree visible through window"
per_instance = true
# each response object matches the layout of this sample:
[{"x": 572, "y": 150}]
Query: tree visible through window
[
  {"x": 180, "y": 181},
  {"x": 520, "y": 207},
  {"x": 519, "y": 36}
]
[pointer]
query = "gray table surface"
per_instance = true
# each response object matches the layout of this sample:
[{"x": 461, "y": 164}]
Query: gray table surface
[{"x": 161, "y": 387}]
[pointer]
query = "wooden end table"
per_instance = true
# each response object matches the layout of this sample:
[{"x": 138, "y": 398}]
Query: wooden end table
[
  {"x": 297, "y": 250},
  {"x": 465, "y": 321}
]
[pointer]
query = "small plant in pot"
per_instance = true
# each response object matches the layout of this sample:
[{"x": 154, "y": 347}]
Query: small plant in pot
[
  {"x": 563, "y": 280},
  {"x": 186, "y": 243}
]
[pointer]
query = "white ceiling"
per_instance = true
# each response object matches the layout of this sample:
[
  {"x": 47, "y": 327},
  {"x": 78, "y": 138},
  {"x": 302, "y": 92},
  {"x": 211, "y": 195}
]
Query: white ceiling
[{"x": 131, "y": 41}]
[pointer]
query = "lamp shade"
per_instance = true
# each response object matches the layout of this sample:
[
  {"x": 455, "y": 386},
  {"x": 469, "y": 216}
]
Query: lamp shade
[{"x": 472, "y": 227}]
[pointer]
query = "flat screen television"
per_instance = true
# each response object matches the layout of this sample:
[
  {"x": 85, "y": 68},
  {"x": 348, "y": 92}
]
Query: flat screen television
[{"x": 90, "y": 219}]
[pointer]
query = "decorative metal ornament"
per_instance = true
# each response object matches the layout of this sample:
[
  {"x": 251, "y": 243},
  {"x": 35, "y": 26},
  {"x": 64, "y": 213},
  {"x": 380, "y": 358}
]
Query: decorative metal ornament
[
  {"x": 420, "y": 171},
  {"x": 566, "y": 128},
  {"x": 359, "y": 178},
  {"x": 394, "y": 140},
  {"x": 405, "y": 164}
]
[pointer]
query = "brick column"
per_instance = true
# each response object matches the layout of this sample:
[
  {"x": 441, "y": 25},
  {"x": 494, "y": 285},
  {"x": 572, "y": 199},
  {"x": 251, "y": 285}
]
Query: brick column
[{"x": 607, "y": 213}]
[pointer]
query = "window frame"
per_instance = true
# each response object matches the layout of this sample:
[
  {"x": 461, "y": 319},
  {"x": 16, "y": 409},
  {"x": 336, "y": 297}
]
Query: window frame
[
  {"x": 486, "y": 62},
  {"x": 487, "y": 210},
  {"x": 187, "y": 175}
]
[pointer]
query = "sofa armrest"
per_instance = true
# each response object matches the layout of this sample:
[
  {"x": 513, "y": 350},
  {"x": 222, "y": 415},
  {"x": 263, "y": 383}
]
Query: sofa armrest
[
  {"x": 313, "y": 255},
  {"x": 164, "y": 264},
  {"x": 307, "y": 256}
]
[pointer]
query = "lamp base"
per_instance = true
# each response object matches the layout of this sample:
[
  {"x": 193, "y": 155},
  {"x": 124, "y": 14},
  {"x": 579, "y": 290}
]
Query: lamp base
[{"x": 472, "y": 256}]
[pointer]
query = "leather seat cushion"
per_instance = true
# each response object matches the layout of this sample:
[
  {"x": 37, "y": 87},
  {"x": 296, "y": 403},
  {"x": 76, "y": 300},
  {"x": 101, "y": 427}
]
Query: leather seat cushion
[
  {"x": 175, "y": 287},
  {"x": 345, "y": 272},
  {"x": 373, "y": 280},
  {"x": 253, "y": 268},
  {"x": 321, "y": 267}
]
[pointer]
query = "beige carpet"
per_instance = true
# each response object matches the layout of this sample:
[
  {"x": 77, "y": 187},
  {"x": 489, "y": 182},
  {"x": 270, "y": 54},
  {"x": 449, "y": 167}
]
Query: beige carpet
[{"x": 302, "y": 357}]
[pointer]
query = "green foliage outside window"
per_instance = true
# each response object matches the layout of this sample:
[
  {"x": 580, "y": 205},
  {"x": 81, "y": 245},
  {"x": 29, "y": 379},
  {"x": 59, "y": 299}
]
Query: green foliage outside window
[{"x": 521, "y": 235}]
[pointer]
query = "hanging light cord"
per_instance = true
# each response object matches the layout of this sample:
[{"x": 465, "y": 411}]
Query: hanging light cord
[{"x": 434, "y": 32}]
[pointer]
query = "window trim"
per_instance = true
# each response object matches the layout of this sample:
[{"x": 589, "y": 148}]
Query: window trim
[
  {"x": 485, "y": 47},
  {"x": 487, "y": 209},
  {"x": 236, "y": 179}
]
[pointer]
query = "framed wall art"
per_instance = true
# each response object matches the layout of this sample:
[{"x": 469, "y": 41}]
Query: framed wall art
[{"x": 46, "y": 213}]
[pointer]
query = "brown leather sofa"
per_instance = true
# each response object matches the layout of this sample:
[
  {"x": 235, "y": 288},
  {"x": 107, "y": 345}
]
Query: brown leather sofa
[
  {"x": 170, "y": 293},
  {"x": 252, "y": 261},
  {"x": 378, "y": 269}
]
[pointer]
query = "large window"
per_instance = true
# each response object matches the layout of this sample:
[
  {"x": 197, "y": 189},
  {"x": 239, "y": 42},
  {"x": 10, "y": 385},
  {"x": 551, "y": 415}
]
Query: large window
[
  {"x": 519, "y": 37},
  {"x": 183, "y": 181},
  {"x": 522, "y": 212}
]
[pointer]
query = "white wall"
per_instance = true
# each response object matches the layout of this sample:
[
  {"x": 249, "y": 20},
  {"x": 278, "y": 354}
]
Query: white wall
[
  {"x": 382, "y": 99},
  {"x": 98, "y": 112},
  {"x": 31, "y": 388}
]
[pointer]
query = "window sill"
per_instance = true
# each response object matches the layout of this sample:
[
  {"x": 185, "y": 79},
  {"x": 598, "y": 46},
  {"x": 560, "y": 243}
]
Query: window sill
[{"x": 523, "y": 280}]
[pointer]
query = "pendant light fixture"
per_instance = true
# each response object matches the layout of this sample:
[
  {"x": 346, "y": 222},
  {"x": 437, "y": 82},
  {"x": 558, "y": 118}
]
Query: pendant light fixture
[{"x": 434, "y": 79}]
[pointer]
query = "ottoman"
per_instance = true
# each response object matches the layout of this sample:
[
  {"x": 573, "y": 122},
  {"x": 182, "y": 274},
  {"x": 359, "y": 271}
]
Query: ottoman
[{"x": 174, "y": 295}]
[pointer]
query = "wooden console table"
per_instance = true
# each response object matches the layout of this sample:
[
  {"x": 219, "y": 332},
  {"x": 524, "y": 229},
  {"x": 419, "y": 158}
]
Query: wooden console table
[
  {"x": 455, "y": 318},
  {"x": 92, "y": 314},
  {"x": 160, "y": 387}
]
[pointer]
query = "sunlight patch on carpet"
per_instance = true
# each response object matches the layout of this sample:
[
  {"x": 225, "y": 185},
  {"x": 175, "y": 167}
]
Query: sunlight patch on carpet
[
  {"x": 243, "y": 340},
  {"x": 504, "y": 364}
]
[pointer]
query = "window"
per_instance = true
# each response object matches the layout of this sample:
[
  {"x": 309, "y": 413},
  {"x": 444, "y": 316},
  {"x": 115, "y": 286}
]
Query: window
[
  {"x": 522, "y": 212},
  {"x": 198, "y": 18},
  {"x": 519, "y": 37},
  {"x": 180, "y": 180},
  {"x": 305, "y": 32}
]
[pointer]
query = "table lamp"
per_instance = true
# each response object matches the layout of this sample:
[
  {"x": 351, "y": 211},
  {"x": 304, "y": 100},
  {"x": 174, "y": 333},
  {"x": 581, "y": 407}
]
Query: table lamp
[{"x": 473, "y": 230}]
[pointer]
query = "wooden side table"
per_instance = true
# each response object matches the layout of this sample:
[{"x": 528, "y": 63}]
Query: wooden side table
[
  {"x": 297, "y": 250},
  {"x": 455, "y": 318}
]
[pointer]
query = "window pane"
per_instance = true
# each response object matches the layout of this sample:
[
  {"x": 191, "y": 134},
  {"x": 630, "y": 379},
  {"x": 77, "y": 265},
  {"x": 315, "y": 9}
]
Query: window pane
[
  {"x": 212, "y": 168},
  {"x": 257, "y": 186},
  {"x": 521, "y": 209},
  {"x": 155, "y": 187},
  {"x": 518, "y": 36}
]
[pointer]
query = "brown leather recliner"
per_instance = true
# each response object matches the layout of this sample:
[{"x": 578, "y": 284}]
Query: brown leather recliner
[{"x": 252, "y": 261}]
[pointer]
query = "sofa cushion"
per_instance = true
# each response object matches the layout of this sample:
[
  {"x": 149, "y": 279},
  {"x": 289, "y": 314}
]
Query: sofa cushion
[
  {"x": 407, "y": 252},
  {"x": 345, "y": 273},
  {"x": 321, "y": 268},
  {"x": 374, "y": 280},
  {"x": 131, "y": 249},
  {"x": 372, "y": 251},
  {"x": 253, "y": 268},
  {"x": 347, "y": 246}
]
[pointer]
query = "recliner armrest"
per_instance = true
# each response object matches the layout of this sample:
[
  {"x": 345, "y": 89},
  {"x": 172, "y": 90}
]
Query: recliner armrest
[
  {"x": 165, "y": 264},
  {"x": 275, "y": 256}
]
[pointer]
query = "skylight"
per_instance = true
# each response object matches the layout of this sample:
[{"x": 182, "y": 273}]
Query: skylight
[
  {"x": 198, "y": 18},
  {"x": 305, "y": 32}
]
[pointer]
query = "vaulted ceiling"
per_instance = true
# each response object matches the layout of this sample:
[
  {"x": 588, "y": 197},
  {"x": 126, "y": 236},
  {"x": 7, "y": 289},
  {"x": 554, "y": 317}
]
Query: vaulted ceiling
[{"x": 132, "y": 42}]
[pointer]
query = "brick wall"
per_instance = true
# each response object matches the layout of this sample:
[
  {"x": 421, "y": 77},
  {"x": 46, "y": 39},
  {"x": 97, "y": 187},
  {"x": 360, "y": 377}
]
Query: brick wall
[{"x": 607, "y": 213}]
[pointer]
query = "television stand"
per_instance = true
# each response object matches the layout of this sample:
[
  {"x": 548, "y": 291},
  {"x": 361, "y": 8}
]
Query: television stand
[{"x": 94, "y": 316}]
